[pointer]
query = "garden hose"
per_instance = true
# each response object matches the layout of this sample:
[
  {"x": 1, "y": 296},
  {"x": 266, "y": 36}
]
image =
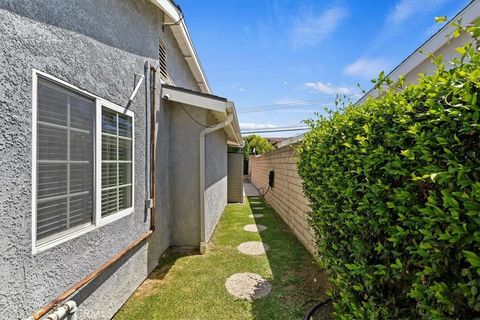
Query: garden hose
[
  {"x": 317, "y": 306},
  {"x": 262, "y": 191}
]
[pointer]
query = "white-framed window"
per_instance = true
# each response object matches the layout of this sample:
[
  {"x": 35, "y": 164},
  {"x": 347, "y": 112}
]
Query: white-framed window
[{"x": 82, "y": 161}]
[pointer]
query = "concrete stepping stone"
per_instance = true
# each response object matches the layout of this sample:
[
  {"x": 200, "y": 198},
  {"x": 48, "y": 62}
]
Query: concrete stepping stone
[
  {"x": 258, "y": 208},
  {"x": 248, "y": 286},
  {"x": 253, "y": 248},
  {"x": 254, "y": 228},
  {"x": 256, "y": 215}
]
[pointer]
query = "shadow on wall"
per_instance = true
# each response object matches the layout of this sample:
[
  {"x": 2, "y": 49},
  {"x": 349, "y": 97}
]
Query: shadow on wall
[
  {"x": 110, "y": 278},
  {"x": 293, "y": 269}
]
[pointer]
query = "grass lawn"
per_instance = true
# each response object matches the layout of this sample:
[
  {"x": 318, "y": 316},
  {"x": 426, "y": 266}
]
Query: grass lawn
[{"x": 193, "y": 287}]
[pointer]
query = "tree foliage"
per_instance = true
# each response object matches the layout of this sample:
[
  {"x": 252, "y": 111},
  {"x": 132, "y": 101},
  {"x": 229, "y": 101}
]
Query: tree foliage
[
  {"x": 256, "y": 143},
  {"x": 394, "y": 186}
]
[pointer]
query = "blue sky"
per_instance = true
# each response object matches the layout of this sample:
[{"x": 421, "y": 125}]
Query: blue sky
[{"x": 298, "y": 54}]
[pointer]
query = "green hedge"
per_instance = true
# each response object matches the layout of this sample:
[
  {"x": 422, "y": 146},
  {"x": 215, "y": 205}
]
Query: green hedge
[{"x": 394, "y": 187}]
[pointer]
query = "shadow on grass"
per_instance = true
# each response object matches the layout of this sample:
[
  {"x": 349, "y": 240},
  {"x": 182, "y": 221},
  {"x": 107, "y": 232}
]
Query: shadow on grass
[
  {"x": 297, "y": 281},
  {"x": 157, "y": 276}
]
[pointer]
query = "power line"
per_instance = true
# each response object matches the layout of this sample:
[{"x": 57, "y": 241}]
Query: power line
[
  {"x": 252, "y": 67},
  {"x": 280, "y": 108},
  {"x": 294, "y": 102},
  {"x": 278, "y": 129},
  {"x": 291, "y": 105},
  {"x": 244, "y": 78}
]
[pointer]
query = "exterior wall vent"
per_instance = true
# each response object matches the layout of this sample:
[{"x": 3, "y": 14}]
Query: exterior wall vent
[{"x": 162, "y": 57}]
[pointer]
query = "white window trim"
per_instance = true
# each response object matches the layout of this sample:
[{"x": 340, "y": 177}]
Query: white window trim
[
  {"x": 98, "y": 221},
  {"x": 98, "y": 165}
]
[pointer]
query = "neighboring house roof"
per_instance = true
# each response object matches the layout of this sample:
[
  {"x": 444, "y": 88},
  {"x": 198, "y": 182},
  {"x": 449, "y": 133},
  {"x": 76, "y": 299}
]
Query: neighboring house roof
[
  {"x": 440, "y": 40},
  {"x": 290, "y": 141},
  {"x": 220, "y": 108},
  {"x": 174, "y": 18},
  {"x": 275, "y": 141}
]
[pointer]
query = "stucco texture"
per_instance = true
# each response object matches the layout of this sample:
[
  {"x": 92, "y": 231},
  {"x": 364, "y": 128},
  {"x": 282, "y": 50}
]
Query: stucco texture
[
  {"x": 97, "y": 46},
  {"x": 215, "y": 179},
  {"x": 184, "y": 152}
]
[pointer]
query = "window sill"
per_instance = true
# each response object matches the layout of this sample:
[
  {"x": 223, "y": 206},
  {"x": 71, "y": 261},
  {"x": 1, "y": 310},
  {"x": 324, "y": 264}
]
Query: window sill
[
  {"x": 76, "y": 232},
  {"x": 115, "y": 216},
  {"x": 46, "y": 244}
]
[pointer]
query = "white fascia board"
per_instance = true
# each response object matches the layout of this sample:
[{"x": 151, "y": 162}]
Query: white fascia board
[
  {"x": 197, "y": 100},
  {"x": 180, "y": 32},
  {"x": 168, "y": 7},
  {"x": 468, "y": 15},
  {"x": 182, "y": 36},
  {"x": 234, "y": 135}
]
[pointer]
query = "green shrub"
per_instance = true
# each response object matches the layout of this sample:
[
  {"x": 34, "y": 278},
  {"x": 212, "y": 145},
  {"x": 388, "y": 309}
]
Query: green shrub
[{"x": 394, "y": 186}]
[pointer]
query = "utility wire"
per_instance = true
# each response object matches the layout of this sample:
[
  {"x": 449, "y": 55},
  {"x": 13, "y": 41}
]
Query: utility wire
[
  {"x": 279, "y": 129},
  {"x": 283, "y": 106},
  {"x": 280, "y": 108},
  {"x": 193, "y": 119},
  {"x": 295, "y": 102},
  {"x": 282, "y": 66}
]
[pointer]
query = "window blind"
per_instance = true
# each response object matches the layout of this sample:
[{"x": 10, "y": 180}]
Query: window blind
[
  {"x": 65, "y": 159},
  {"x": 116, "y": 162}
]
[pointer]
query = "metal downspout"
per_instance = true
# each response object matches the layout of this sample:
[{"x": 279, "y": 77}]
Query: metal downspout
[{"x": 203, "y": 133}]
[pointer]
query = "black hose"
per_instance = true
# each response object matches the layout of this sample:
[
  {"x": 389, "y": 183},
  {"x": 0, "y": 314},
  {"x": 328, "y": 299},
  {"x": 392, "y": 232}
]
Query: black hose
[
  {"x": 262, "y": 191},
  {"x": 314, "y": 309}
]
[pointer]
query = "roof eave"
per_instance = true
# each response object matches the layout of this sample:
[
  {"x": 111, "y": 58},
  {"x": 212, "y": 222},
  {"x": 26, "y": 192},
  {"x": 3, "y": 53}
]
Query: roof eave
[
  {"x": 218, "y": 106},
  {"x": 434, "y": 43},
  {"x": 180, "y": 32}
]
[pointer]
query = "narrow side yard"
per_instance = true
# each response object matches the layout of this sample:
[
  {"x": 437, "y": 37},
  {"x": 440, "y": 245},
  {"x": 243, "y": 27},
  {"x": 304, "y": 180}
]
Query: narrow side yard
[{"x": 193, "y": 286}]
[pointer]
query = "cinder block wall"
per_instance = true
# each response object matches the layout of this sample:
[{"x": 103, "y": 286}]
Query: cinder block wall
[{"x": 286, "y": 197}]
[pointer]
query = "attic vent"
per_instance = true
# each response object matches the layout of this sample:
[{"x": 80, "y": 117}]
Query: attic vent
[{"x": 162, "y": 57}]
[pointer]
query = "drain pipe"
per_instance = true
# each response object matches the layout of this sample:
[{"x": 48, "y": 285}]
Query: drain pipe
[
  {"x": 67, "y": 311},
  {"x": 203, "y": 133}
]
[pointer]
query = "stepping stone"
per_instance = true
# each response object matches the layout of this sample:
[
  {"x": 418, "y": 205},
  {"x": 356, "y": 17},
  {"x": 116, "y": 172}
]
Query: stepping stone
[
  {"x": 253, "y": 248},
  {"x": 248, "y": 286},
  {"x": 258, "y": 208},
  {"x": 256, "y": 215},
  {"x": 255, "y": 202},
  {"x": 254, "y": 228}
]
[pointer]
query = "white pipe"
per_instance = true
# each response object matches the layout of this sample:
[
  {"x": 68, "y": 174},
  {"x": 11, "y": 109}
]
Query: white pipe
[
  {"x": 134, "y": 93},
  {"x": 66, "y": 311},
  {"x": 203, "y": 133}
]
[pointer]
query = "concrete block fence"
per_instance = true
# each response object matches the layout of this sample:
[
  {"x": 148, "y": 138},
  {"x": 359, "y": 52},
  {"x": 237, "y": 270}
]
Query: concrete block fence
[{"x": 286, "y": 197}]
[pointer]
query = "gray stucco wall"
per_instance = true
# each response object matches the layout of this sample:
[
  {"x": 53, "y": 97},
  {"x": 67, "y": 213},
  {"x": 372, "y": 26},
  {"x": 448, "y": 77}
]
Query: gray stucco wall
[
  {"x": 184, "y": 153},
  {"x": 215, "y": 179},
  {"x": 97, "y": 46}
]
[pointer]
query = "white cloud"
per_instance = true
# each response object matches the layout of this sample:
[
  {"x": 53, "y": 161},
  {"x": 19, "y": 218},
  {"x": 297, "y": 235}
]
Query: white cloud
[
  {"x": 309, "y": 30},
  {"x": 406, "y": 9},
  {"x": 400, "y": 22},
  {"x": 251, "y": 126},
  {"x": 327, "y": 88},
  {"x": 237, "y": 86},
  {"x": 366, "y": 68}
]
